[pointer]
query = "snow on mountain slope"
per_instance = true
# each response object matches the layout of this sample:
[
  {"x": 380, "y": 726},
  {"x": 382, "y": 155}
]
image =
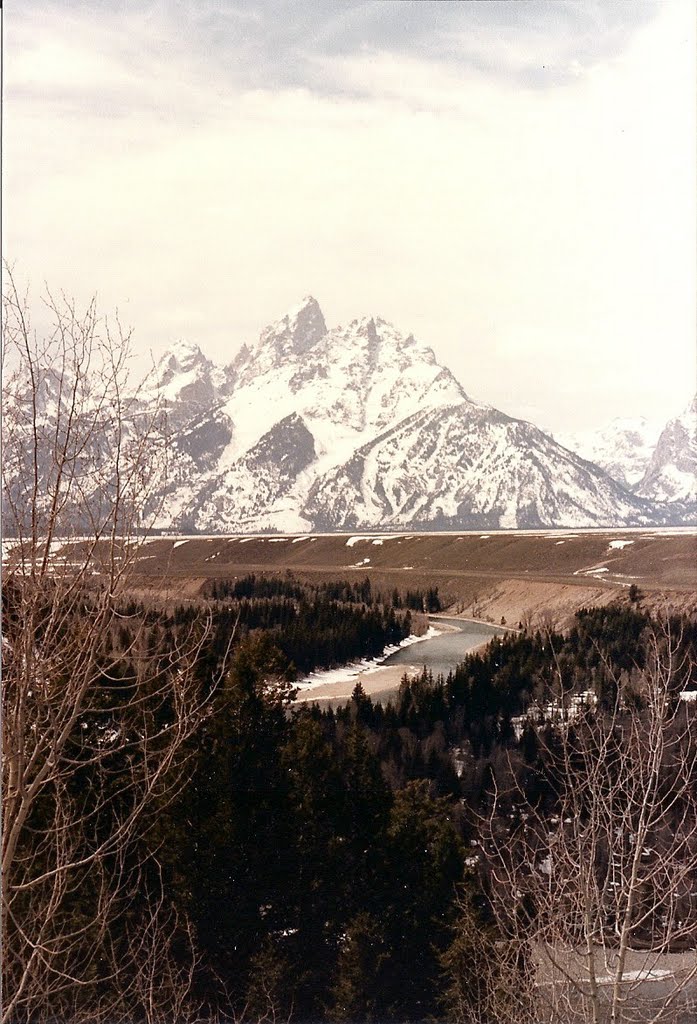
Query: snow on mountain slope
[
  {"x": 671, "y": 474},
  {"x": 253, "y": 485},
  {"x": 623, "y": 448},
  {"x": 359, "y": 426},
  {"x": 465, "y": 466},
  {"x": 346, "y": 384},
  {"x": 185, "y": 385}
]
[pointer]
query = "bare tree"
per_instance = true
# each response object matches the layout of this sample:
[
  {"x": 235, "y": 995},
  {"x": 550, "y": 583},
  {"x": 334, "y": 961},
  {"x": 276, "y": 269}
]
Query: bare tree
[
  {"x": 593, "y": 890},
  {"x": 95, "y": 729}
]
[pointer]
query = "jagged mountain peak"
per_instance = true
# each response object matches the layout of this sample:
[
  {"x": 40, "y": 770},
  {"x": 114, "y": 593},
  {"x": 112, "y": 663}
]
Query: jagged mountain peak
[
  {"x": 373, "y": 325},
  {"x": 301, "y": 339},
  {"x": 180, "y": 364},
  {"x": 370, "y": 323},
  {"x": 384, "y": 338},
  {"x": 308, "y": 305},
  {"x": 285, "y": 341},
  {"x": 182, "y": 356},
  {"x": 297, "y": 331},
  {"x": 366, "y": 325},
  {"x": 362, "y": 426},
  {"x": 185, "y": 383},
  {"x": 671, "y": 474}
]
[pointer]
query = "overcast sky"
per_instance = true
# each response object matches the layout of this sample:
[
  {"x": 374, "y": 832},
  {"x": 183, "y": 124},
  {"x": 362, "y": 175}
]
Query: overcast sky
[{"x": 513, "y": 182}]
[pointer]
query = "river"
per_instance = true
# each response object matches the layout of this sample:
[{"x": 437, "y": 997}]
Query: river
[{"x": 440, "y": 653}]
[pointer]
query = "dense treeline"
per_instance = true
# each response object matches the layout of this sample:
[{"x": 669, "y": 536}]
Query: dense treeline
[
  {"x": 312, "y": 627},
  {"x": 311, "y": 881},
  {"x": 314, "y": 633},
  {"x": 322, "y": 851},
  {"x": 321, "y": 858},
  {"x": 345, "y": 591}
]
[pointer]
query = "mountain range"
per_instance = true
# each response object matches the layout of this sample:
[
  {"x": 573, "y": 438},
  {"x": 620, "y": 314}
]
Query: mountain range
[
  {"x": 656, "y": 461},
  {"x": 360, "y": 427}
]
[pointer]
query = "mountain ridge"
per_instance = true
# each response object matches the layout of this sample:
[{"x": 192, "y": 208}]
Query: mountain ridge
[
  {"x": 654, "y": 460},
  {"x": 353, "y": 427},
  {"x": 389, "y": 437}
]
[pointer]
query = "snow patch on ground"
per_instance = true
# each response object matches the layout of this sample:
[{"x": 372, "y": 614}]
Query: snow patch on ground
[
  {"x": 7, "y": 547},
  {"x": 647, "y": 974}
]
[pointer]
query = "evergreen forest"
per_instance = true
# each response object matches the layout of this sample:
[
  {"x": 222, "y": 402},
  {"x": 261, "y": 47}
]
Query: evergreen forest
[{"x": 324, "y": 863}]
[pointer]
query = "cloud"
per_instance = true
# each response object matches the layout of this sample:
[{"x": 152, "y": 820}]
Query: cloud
[
  {"x": 205, "y": 166},
  {"x": 276, "y": 43}
]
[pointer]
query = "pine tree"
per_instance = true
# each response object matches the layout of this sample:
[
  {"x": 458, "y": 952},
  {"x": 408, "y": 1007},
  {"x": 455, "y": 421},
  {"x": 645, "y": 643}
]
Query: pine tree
[
  {"x": 357, "y": 993},
  {"x": 426, "y": 856}
]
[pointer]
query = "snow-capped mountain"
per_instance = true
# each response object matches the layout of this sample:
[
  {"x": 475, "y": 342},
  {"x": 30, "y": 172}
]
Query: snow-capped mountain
[
  {"x": 671, "y": 474},
  {"x": 467, "y": 466},
  {"x": 654, "y": 463},
  {"x": 186, "y": 384},
  {"x": 359, "y": 426},
  {"x": 623, "y": 448}
]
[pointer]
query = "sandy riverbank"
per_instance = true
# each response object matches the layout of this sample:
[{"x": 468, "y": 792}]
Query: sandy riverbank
[{"x": 374, "y": 680}]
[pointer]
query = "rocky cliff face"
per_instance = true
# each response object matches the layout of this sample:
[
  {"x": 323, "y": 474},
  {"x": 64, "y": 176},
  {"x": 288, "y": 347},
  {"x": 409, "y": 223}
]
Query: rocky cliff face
[{"x": 671, "y": 474}]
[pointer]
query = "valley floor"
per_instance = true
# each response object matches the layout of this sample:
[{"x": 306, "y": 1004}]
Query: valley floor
[{"x": 507, "y": 576}]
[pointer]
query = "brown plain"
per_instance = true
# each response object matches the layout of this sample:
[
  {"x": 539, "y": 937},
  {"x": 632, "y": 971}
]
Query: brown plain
[{"x": 516, "y": 576}]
